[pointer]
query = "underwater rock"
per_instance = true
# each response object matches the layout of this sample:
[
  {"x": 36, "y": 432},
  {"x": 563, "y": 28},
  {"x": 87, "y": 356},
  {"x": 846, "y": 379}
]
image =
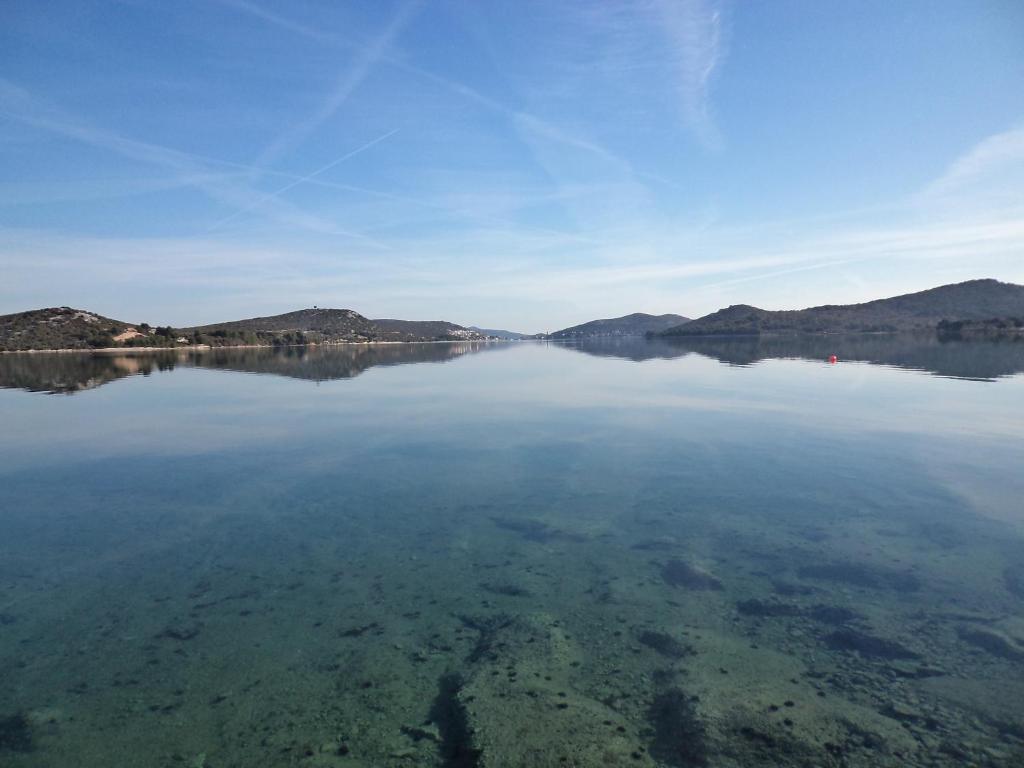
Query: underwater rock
[
  {"x": 527, "y": 703},
  {"x": 656, "y": 545},
  {"x": 6, "y": 619},
  {"x": 991, "y": 641},
  {"x": 534, "y": 530},
  {"x": 180, "y": 633},
  {"x": 358, "y": 631},
  {"x": 448, "y": 713},
  {"x": 15, "y": 734},
  {"x": 861, "y": 575},
  {"x": 868, "y": 645},
  {"x": 942, "y": 535},
  {"x": 680, "y": 738},
  {"x": 913, "y": 671},
  {"x": 666, "y": 645},
  {"x": 509, "y": 590},
  {"x": 1013, "y": 577},
  {"x": 682, "y": 574},
  {"x": 831, "y": 614},
  {"x": 905, "y": 714},
  {"x": 429, "y": 732},
  {"x": 755, "y": 607},
  {"x": 488, "y": 627},
  {"x": 791, "y": 590},
  {"x": 757, "y": 736}
]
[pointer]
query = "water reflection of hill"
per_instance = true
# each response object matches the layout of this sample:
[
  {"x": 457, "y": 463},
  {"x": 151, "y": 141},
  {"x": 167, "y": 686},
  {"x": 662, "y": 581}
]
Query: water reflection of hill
[
  {"x": 70, "y": 373},
  {"x": 981, "y": 359},
  {"x": 330, "y": 362}
]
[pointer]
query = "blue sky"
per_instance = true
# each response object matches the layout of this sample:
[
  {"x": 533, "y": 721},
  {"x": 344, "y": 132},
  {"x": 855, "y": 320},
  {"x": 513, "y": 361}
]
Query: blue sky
[{"x": 520, "y": 165}]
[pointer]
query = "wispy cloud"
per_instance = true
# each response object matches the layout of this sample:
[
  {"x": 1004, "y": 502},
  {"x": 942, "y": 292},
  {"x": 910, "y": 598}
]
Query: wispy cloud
[
  {"x": 26, "y": 108},
  {"x": 695, "y": 28},
  {"x": 997, "y": 162},
  {"x": 677, "y": 45},
  {"x": 378, "y": 52}
]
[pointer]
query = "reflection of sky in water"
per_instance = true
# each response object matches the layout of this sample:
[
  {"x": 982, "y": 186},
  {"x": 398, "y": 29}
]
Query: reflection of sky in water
[{"x": 964, "y": 433}]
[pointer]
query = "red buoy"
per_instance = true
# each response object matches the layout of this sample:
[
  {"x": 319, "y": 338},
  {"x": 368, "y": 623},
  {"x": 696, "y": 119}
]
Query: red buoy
[{"x": 833, "y": 359}]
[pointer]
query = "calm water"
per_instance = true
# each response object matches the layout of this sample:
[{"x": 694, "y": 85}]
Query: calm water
[{"x": 626, "y": 554}]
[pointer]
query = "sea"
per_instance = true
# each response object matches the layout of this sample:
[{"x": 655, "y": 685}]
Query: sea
[{"x": 616, "y": 552}]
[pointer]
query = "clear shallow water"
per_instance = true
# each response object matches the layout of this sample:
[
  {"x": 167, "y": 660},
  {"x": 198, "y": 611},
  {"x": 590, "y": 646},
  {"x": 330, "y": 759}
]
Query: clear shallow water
[{"x": 726, "y": 553}]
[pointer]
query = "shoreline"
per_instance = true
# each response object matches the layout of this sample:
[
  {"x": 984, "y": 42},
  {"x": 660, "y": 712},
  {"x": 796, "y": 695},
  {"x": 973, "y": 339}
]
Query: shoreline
[{"x": 207, "y": 347}]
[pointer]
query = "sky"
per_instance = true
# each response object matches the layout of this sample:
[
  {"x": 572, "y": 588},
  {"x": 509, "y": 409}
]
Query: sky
[{"x": 527, "y": 165}]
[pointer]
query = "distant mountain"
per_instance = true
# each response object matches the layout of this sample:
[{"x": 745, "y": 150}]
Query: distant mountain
[
  {"x": 972, "y": 300},
  {"x": 424, "y": 330},
  {"x": 637, "y": 324},
  {"x": 494, "y": 333}
]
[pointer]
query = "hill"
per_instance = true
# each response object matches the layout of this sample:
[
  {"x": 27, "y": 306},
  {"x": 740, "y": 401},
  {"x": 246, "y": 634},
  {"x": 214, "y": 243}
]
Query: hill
[
  {"x": 636, "y": 324},
  {"x": 424, "y": 330},
  {"x": 299, "y": 327},
  {"x": 971, "y": 300},
  {"x": 993, "y": 328},
  {"x": 339, "y": 325},
  {"x": 68, "y": 328}
]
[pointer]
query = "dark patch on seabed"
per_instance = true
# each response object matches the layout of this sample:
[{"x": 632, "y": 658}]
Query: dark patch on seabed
[
  {"x": 754, "y": 607},
  {"x": 868, "y": 645},
  {"x": 791, "y": 590},
  {"x": 665, "y": 644},
  {"x": 508, "y": 590},
  {"x": 488, "y": 629},
  {"x": 449, "y": 715},
  {"x": 535, "y": 530},
  {"x": 832, "y": 614},
  {"x": 1013, "y": 577},
  {"x": 993, "y": 642},
  {"x": 15, "y": 734},
  {"x": 861, "y": 575},
  {"x": 682, "y": 574},
  {"x": 826, "y": 614},
  {"x": 680, "y": 738},
  {"x": 654, "y": 546}
]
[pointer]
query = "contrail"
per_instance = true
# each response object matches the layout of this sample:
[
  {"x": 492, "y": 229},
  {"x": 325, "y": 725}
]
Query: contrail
[
  {"x": 39, "y": 114},
  {"x": 303, "y": 179},
  {"x": 367, "y": 57},
  {"x": 532, "y": 122}
]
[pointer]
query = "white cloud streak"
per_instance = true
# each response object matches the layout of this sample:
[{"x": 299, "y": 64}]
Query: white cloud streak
[
  {"x": 303, "y": 179},
  {"x": 23, "y": 107},
  {"x": 531, "y": 122},
  {"x": 1000, "y": 154},
  {"x": 695, "y": 28}
]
